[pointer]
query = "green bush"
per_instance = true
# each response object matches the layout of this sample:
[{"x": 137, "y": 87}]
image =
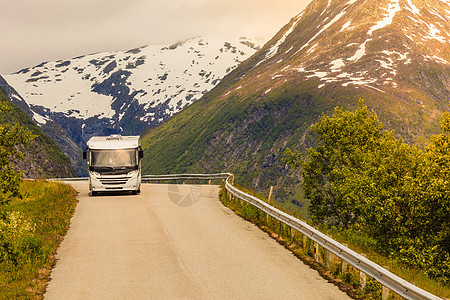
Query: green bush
[{"x": 360, "y": 178}]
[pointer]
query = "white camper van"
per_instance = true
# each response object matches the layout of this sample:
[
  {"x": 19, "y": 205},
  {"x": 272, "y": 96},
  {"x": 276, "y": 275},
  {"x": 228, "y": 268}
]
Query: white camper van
[{"x": 114, "y": 163}]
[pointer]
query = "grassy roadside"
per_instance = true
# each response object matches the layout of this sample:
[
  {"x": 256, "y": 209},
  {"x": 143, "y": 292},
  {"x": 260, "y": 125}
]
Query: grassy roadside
[
  {"x": 30, "y": 232},
  {"x": 348, "y": 281}
]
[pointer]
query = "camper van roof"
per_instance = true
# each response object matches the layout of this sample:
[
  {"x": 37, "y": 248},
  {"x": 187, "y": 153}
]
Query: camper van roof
[{"x": 114, "y": 141}]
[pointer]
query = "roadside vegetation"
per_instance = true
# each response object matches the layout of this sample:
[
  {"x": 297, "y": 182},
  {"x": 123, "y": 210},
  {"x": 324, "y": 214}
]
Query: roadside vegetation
[
  {"x": 361, "y": 178},
  {"x": 34, "y": 216},
  {"x": 32, "y": 226},
  {"x": 369, "y": 185},
  {"x": 383, "y": 197}
]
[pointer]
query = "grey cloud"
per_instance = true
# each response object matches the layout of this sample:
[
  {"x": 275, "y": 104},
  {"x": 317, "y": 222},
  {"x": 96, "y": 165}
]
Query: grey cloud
[{"x": 35, "y": 31}]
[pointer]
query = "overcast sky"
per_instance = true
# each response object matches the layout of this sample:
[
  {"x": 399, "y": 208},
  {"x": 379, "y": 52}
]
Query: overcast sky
[{"x": 33, "y": 31}]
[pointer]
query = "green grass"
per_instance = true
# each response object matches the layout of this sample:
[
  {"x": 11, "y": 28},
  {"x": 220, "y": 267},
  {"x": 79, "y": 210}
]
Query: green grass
[
  {"x": 362, "y": 244},
  {"x": 27, "y": 258}
]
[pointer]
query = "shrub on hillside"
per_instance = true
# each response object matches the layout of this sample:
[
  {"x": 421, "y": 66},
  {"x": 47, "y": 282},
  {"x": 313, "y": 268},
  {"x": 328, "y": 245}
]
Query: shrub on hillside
[{"x": 360, "y": 177}]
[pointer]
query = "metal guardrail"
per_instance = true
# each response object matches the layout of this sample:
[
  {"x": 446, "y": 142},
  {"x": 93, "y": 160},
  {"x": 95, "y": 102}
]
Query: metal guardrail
[
  {"x": 152, "y": 178},
  {"x": 70, "y": 179},
  {"x": 383, "y": 276}
]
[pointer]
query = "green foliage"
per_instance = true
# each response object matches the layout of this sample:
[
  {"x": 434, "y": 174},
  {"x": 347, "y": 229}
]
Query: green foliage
[
  {"x": 31, "y": 228},
  {"x": 11, "y": 136},
  {"x": 18, "y": 242},
  {"x": 360, "y": 177}
]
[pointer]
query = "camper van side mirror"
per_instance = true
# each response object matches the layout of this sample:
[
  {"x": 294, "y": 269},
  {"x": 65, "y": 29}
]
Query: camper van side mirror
[
  {"x": 85, "y": 154},
  {"x": 141, "y": 153}
]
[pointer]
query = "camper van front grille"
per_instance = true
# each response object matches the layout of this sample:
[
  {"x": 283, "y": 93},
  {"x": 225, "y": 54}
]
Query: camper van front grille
[{"x": 114, "y": 181}]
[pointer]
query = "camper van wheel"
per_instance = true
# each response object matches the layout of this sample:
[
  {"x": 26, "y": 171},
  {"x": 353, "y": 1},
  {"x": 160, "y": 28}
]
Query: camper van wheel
[
  {"x": 134, "y": 192},
  {"x": 94, "y": 193}
]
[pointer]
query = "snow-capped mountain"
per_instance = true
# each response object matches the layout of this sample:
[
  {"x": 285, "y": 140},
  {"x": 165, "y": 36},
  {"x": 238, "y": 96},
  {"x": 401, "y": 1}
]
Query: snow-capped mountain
[
  {"x": 373, "y": 44},
  {"x": 126, "y": 91}
]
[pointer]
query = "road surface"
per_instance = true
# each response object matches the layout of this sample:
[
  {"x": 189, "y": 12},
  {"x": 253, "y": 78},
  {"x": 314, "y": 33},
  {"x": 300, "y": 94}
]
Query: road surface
[{"x": 174, "y": 242}]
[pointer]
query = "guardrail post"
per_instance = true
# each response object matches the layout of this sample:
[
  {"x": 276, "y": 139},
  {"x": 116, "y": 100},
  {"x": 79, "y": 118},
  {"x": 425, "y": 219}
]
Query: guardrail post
[
  {"x": 304, "y": 241},
  {"x": 269, "y": 218},
  {"x": 329, "y": 259},
  {"x": 270, "y": 194},
  {"x": 385, "y": 290},
  {"x": 316, "y": 252},
  {"x": 362, "y": 277},
  {"x": 384, "y": 293},
  {"x": 209, "y": 182},
  {"x": 290, "y": 233},
  {"x": 344, "y": 264}
]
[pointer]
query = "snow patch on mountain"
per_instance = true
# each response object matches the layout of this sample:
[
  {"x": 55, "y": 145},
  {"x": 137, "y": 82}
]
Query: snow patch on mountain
[
  {"x": 346, "y": 25},
  {"x": 392, "y": 9},
  {"x": 434, "y": 33},
  {"x": 360, "y": 52},
  {"x": 40, "y": 120},
  {"x": 274, "y": 49},
  {"x": 413, "y": 8},
  {"x": 334, "y": 20},
  {"x": 328, "y": 5}
]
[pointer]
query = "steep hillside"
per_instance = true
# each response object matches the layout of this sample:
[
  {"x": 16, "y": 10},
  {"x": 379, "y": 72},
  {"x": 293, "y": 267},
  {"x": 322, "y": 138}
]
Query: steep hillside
[
  {"x": 50, "y": 128},
  {"x": 394, "y": 54},
  {"x": 43, "y": 158}
]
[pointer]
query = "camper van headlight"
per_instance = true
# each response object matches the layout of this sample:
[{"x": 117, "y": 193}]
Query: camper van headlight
[
  {"x": 132, "y": 173},
  {"x": 96, "y": 174}
]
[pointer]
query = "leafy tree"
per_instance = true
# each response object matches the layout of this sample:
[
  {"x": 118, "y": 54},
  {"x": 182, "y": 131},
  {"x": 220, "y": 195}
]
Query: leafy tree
[
  {"x": 360, "y": 177},
  {"x": 431, "y": 249},
  {"x": 343, "y": 141},
  {"x": 11, "y": 136}
]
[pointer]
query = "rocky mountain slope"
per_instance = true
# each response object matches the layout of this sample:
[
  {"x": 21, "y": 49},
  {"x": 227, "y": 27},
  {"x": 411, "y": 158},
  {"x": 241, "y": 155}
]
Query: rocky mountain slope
[
  {"x": 126, "y": 91},
  {"x": 395, "y": 54},
  {"x": 50, "y": 128},
  {"x": 42, "y": 157}
]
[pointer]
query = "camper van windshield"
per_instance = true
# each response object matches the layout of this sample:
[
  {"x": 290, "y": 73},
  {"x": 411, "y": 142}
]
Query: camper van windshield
[{"x": 113, "y": 158}]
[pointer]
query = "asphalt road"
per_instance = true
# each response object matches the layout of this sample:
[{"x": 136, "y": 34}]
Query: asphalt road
[{"x": 172, "y": 242}]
